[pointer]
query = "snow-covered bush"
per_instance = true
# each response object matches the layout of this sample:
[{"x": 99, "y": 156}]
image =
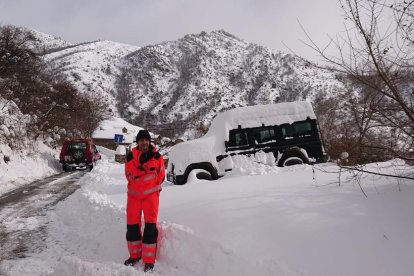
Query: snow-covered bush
[{"x": 13, "y": 127}]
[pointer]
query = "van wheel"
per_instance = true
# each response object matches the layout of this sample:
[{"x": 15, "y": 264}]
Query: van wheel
[
  {"x": 293, "y": 161},
  {"x": 292, "y": 157},
  {"x": 203, "y": 170},
  {"x": 65, "y": 168},
  {"x": 204, "y": 175},
  {"x": 199, "y": 174}
]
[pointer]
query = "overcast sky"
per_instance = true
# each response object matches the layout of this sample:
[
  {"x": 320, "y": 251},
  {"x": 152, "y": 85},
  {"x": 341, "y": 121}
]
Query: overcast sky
[{"x": 271, "y": 23}]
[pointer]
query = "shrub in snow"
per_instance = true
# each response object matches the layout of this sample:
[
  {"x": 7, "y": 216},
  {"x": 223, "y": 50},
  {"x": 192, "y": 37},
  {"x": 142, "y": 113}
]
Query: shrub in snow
[{"x": 14, "y": 124}]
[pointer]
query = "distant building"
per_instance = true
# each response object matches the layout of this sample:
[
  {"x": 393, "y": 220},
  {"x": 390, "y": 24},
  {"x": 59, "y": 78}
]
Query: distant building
[{"x": 104, "y": 135}]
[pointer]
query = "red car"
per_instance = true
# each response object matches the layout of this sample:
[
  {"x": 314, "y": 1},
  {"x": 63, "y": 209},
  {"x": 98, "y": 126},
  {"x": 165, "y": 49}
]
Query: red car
[{"x": 78, "y": 153}]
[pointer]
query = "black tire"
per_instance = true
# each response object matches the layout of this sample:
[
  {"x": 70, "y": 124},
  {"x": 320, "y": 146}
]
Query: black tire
[
  {"x": 204, "y": 175},
  {"x": 293, "y": 156},
  {"x": 90, "y": 167},
  {"x": 293, "y": 161},
  {"x": 207, "y": 171},
  {"x": 65, "y": 167}
]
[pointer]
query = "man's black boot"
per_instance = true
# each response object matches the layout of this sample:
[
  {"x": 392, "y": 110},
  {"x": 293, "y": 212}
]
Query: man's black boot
[
  {"x": 131, "y": 261},
  {"x": 148, "y": 267}
]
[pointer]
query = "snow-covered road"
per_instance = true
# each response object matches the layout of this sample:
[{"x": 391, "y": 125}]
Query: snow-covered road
[{"x": 23, "y": 220}]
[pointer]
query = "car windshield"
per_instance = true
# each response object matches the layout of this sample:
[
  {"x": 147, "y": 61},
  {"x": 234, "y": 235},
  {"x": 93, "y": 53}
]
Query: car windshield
[{"x": 76, "y": 146}]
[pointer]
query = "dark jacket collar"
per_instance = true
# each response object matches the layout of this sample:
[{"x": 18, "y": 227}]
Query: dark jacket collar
[{"x": 148, "y": 155}]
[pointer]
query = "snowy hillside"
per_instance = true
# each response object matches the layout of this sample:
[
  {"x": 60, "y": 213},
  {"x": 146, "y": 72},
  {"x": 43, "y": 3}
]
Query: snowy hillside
[
  {"x": 257, "y": 220},
  {"x": 46, "y": 42},
  {"x": 18, "y": 153},
  {"x": 195, "y": 77},
  {"x": 176, "y": 85},
  {"x": 92, "y": 66}
]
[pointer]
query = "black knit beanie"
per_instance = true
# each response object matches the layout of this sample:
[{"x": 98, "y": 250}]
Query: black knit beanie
[{"x": 143, "y": 134}]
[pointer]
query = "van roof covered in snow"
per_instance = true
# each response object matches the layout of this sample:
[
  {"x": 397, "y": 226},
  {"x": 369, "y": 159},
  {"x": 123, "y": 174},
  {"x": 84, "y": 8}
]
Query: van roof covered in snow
[{"x": 258, "y": 115}]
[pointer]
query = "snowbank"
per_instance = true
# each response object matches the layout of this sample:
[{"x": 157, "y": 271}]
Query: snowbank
[
  {"x": 27, "y": 165},
  {"x": 257, "y": 220},
  {"x": 21, "y": 160}
]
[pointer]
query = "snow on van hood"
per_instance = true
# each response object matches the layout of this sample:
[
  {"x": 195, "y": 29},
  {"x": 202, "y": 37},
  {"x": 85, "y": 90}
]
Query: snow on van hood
[{"x": 206, "y": 149}]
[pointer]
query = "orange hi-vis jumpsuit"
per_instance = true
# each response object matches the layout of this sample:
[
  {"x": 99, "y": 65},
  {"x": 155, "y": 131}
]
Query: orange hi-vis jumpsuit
[{"x": 144, "y": 186}]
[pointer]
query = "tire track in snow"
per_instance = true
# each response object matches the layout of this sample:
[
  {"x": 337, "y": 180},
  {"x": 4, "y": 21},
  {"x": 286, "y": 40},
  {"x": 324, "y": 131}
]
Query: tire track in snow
[{"x": 23, "y": 214}]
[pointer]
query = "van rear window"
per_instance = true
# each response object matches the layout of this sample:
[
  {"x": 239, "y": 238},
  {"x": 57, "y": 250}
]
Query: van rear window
[{"x": 76, "y": 146}]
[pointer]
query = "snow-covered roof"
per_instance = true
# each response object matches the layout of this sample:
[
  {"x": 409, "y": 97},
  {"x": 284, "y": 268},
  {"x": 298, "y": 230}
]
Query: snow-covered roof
[
  {"x": 109, "y": 128},
  {"x": 258, "y": 115}
]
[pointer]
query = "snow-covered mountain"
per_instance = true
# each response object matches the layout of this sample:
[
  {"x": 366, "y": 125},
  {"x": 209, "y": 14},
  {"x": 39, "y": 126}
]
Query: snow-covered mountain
[
  {"x": 205, "y": 73},
  {"x": 176, "y": 85},
  {"x": 46, "y": 42},
  {"x": 92, "y": 66}
]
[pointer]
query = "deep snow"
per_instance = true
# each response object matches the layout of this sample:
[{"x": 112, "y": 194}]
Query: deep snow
[
  {"x": 257, "y": 220},
  {"x": 27, "y": 165}
]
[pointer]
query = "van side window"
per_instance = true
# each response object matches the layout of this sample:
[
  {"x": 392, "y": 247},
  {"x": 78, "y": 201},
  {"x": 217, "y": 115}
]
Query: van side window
[
  {"x": 294, "y": 130},
  {"x": 241, "y": 139},
  {"x": 238, "y": 138},
  {"x": 264, "y": 134}
]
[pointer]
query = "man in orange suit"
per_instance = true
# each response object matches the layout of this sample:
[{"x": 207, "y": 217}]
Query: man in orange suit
[{"x": 144, "y": 170}]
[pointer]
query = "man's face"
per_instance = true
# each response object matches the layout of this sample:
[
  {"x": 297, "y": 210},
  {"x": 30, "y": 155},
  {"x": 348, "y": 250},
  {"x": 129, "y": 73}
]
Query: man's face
[{"x": 143, "y": 144}]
